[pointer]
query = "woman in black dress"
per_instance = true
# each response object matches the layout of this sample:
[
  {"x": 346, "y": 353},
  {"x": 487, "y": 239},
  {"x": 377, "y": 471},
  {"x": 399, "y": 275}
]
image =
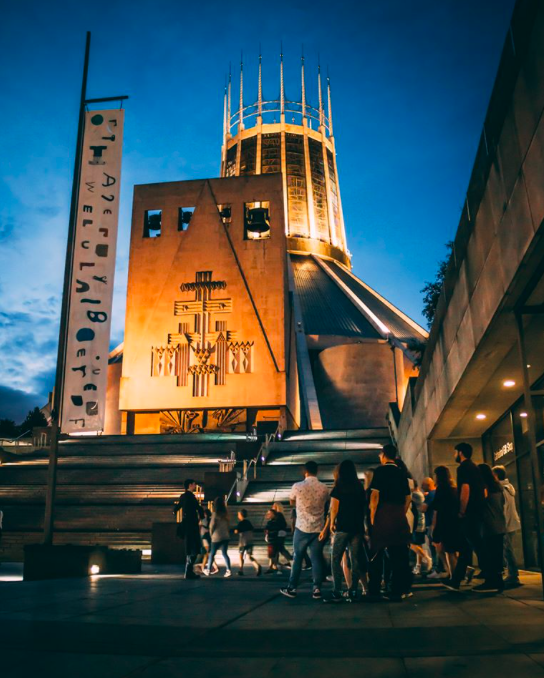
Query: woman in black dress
[{"x": 445, "y": 528}]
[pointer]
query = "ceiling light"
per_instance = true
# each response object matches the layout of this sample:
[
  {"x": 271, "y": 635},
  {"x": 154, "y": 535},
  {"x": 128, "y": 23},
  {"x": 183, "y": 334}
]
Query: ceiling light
[
  {"x": 508, "y": 383},
  {"x": 481, "y": 416},
  {"x": 523, "y": 414}
]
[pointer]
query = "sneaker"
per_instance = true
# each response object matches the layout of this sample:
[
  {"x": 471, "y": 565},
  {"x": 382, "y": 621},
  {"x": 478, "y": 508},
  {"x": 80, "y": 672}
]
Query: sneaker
[
  {"x": 316, "y": 593},
  {"x": 434, "y": 575},
  {"x": 206, "y": 572},
  {"x": 335, "y": 597},
  {"x": 289, "y": 592},
  {"x": 228, "y": 573},
  {"x": 486, "y": 588},
  {"x": 329, "y": 577},
  {"x": 351, "y": 596},
  {"x": 416, "y": 570},
  {"x": 471, "y": 571},
  {"x": 395, "y": 597},
  {"x": 305, "y": 568},
  {"x": 240, "y": 573}
]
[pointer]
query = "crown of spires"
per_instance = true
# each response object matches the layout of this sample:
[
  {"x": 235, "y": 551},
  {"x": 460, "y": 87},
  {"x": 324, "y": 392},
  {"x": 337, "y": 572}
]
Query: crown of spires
[
  {"x": 321, "y": 112},
  {"x": 260, "y": 89},
  {"x": 241, "y": 109},
  {"x": 324, "y": 118},
  {"x": 229, "y": 96},
  {"x": 282, "y": 89},
  {"x": 303, "y": 85},
  {"x": 329, "y": 106}
]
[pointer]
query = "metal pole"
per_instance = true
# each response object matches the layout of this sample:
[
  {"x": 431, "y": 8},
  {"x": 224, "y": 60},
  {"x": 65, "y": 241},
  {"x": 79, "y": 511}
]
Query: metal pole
[
  {"x": 48, "y": 523},
  {"x": 532, "y": 441}
]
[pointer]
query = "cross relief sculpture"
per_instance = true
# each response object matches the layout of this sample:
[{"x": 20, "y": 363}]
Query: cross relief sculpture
[{"x": 202, "y": 347}]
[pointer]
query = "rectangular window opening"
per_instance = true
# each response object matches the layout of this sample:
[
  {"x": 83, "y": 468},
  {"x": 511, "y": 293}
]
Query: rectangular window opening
[
  {"x": 256, "y": 220},
  {"x": 225, "y": 212},
  {"x": 185, "y": 214},
  {"x": 152, "y": 223}
]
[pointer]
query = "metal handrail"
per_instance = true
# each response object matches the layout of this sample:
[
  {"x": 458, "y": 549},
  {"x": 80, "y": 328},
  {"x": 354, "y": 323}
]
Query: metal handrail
[
  {"x": 229, "y": 495},
  {"x": 15, "y": 441},
  {"x": 269, "y": 437}
]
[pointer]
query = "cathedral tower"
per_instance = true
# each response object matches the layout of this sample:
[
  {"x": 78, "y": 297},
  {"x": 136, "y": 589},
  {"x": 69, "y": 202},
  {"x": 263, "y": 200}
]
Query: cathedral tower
[{"x": 296, "y": 139}]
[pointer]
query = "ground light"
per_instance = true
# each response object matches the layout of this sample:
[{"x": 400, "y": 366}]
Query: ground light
[{"x": 94, "y": 569}]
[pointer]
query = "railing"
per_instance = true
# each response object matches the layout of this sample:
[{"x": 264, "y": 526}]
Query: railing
[
  {"x": 228, "y": 464},
  {"x": 16, "y": 442}
]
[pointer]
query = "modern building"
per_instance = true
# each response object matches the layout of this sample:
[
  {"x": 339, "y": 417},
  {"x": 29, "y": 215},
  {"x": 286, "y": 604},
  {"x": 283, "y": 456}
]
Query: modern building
[
  {"x": 242, "y": 309},
  {"x": 482, "y": 375}
]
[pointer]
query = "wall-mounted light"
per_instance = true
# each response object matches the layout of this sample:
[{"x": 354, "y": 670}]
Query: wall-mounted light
[
  {"x": 481, "y": 416},
  {"x": 508, "y": 383},
  {"x": 94, "y": 569},
  {"x": 523, "y": 414}
]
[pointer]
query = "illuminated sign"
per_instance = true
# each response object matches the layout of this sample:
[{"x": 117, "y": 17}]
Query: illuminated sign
[{"x": 503, "y": 451}]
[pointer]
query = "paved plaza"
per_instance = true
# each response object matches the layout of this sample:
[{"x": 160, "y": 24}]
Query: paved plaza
[{"x": 158, "y": 625}]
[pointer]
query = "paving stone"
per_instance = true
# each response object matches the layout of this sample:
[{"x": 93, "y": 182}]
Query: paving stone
[{"x": 475, "y": 666}]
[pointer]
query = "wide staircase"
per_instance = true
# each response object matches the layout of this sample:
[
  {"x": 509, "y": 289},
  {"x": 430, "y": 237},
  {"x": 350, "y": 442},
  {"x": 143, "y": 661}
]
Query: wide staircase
[
  {"x": 284, "y": 460},
  {"x": 110, "y": 489}
]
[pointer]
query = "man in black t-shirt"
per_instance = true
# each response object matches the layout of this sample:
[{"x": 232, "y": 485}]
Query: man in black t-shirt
[
  {"x": 390, "y": 498},
  {"x": 189, "y": 528},
  {"x": 471, "y": 490}
]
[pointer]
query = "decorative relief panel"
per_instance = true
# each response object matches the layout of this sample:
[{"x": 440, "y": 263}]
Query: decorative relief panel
[{"x": 203, "y": 347}]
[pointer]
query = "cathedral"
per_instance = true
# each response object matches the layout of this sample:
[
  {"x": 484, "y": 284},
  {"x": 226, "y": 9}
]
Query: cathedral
[{"x": 242, "y": 309}]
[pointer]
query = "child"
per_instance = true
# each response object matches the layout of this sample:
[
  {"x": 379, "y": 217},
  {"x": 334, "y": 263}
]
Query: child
[{"x": 245, "y": 531}]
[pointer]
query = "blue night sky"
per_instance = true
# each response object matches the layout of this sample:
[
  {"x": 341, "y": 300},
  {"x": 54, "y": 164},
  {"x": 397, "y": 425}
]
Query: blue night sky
[{"x": 411, "y": 83}]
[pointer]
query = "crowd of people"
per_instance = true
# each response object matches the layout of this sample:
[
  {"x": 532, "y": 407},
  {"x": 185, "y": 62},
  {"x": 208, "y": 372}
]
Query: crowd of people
[{"x": 381, "y": 532}]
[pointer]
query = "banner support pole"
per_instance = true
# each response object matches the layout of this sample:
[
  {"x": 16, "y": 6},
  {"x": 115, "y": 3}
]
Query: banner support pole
[{"x": 48, "y": 526}]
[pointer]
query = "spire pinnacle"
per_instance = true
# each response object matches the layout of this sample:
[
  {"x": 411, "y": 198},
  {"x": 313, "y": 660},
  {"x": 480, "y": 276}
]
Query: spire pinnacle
[
  {"x": 321, "y": 112},
  {"x": 225, "y": 113},
  {"x": 241, "y": 110},
  {"x": 229, "y": 92},
  {"x": 282, "y": 91},
  {"x": 303, "y": 85},
  {"x": 260, "y": 101},
  {"x": 329, "y": 103}
]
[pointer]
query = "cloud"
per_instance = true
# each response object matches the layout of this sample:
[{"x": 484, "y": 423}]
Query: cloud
[
  {"x": 15, "y": 404},
  {"x": 28, "y": 345},
  {"x": 7, "y": 227}
]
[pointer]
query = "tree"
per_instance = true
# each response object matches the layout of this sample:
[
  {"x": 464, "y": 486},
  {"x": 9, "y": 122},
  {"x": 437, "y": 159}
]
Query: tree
[
  {"x": 8, "y": 428},
  {"x": 431, "y": 291},
  {"x": 34, "y": 418}
]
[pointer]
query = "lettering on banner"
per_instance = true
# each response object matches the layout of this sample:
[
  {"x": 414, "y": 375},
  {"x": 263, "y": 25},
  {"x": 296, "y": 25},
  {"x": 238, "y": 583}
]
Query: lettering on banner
[{"x": 85, "y": 378}]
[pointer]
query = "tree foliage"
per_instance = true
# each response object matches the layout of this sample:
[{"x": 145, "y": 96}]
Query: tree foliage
[
  {"x": 431, "y": 290},
  {"x": 34, "y": 418},
  {"x": 8, "y": 428}
]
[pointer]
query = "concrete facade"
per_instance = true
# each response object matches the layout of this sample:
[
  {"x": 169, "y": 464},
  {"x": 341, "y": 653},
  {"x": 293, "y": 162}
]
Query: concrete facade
[
  {"x": 355, "y": 382},
  {"x": 245, "y": 307},
  {"x": 498, "y": 250}
]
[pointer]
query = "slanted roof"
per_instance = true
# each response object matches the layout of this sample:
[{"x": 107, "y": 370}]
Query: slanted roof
[
  {"x": 336, "y": 302},
  {"x": 325, "y": 307}
]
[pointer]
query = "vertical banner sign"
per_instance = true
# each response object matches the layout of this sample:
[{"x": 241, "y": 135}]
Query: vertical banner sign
[{"x": 91, "y": 290}]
